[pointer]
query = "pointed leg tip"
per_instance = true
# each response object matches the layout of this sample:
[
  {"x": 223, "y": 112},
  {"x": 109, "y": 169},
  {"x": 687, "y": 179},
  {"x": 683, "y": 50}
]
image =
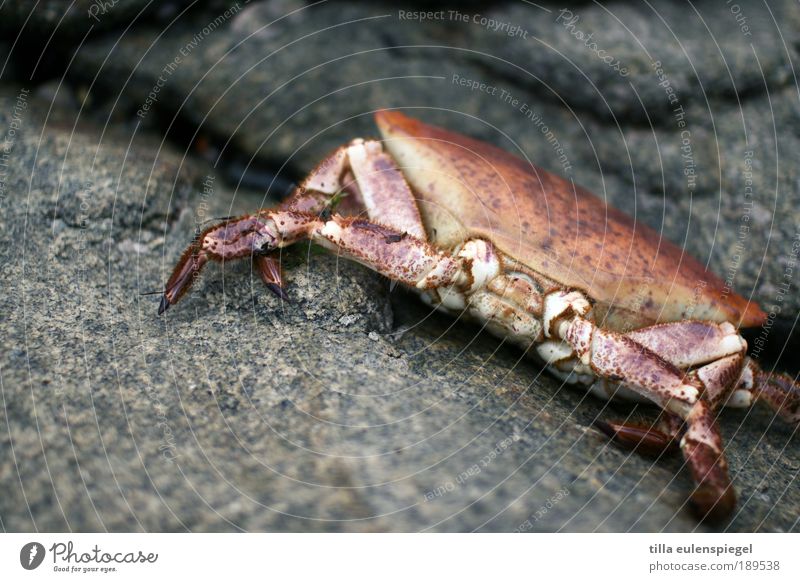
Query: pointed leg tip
[
  {"x": 279, "y": 291},
  {"x": 164, "y": 305},
  {"x": 711, "y": 506},
  {"x": 607, "y": 429}
]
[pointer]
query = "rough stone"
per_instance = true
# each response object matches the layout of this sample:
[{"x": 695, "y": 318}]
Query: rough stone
[
  {"x": 282, "y": 80},
  {"x": 601, "y": 57}
]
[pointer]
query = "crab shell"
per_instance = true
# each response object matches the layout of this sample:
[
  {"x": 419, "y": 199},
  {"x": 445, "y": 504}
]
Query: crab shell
[{"x": 469, "y": 189}]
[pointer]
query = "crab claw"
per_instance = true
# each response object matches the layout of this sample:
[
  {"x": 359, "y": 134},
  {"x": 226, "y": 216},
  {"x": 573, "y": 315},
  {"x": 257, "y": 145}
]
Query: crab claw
[{"x": 184, "y": 274}]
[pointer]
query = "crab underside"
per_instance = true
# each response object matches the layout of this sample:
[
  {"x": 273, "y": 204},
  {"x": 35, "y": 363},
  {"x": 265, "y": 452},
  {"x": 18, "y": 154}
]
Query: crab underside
[{"x": 690, "y": 368}]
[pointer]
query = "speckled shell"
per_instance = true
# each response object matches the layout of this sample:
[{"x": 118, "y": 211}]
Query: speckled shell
[{"x": 467, "y": 188}]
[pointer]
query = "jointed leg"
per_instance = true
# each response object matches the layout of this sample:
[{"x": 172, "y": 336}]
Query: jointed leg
[
  {"x": 391, "y": 253},
  {"x": 715, "y": 354},
  {"x": 711, "y": 353},
  {"x": 269, "y": 269},
  {"x": 688, "y": 344},
  {"x": 778, "y": 391},
  {"x": 713, "y": 358},
  {"x": 385, "y": 193},
  {"x": 620, "y": 358},
  {"x": 357, "y": 176},
  {"x": 663, "y": 437}
]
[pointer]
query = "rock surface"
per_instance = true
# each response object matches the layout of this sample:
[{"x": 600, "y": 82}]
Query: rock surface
[{"x": 350, "y": 408}]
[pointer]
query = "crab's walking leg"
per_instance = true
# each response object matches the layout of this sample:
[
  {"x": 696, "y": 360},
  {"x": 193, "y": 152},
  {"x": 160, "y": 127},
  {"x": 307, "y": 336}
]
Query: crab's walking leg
[
  {"x": 780, "y": 392},
  {"x": 363, "y": 172},
  {"x": 227, "y": 241},
  {"x": 619, "y": 358},
  {"x": 313, "y": 196},
  {"x": 394, "y": 254},
  {"x": 650, "y": 440},
  {"x": 714, "y": 352},
  {"x": 183, "y": 275},
  {"x": 383, "y": 188},
  {"x": 269, "y": 268}
]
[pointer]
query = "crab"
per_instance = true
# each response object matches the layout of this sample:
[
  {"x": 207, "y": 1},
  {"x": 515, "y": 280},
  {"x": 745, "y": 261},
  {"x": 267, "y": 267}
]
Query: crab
[{"x": 604, "y": 302}]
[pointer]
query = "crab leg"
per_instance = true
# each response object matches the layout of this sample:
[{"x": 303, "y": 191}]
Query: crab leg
[
  {"x": 651, "y": 440},
  {"x": 313, "y": 196},
  {"x": 729, "y": 378},
  {"x": 269, "y": 268},
  {"x": 690, "y": 343},
  {"x": 385, "y": 192},
  {"x": 370, "y": 179},
  {"x": 391, "y": 253},
  {"x": 780, "y": 392},
  {"x": 619, "y": 358},
  {"x": 686, "y": 344}
]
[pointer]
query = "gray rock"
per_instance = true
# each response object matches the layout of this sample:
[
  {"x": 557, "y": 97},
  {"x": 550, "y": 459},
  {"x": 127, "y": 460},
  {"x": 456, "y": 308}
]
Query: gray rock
[
  {"x": 348, "y": 409},
  {"x": 603, "y": 57},
  {"x": 283, "y": 81}
]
